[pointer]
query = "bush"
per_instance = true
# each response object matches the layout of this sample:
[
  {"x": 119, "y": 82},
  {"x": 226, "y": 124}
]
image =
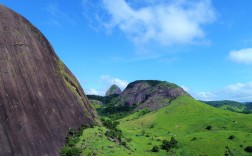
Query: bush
[
  {"x": 70, "y": 151},
  {"x": 144, "y": 111},
  {"x": 173, "y": 142},
  {"x": 209, "y": 127},
  {"x": 110, "y": 124},
  {"x": 167, "y": 145},
  {"x": 194, "y": 138},
  {"x": 152, "y": 125},
  {"x": 142, "y": 132},
  {"x": 248, "y": 149},
  {"x": 112, "y": 131},
  {"x": 114, "y": 134},
  {"x": 231, "y": 137},
  {"x": 129, "y": 139},
  {"x": 72, "y": 138},
  {"x": 155, "y": 149},
  {"x": 123, "y": 143}
]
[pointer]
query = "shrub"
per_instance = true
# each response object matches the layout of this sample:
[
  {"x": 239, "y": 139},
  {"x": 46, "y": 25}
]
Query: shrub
[
  {"x": 173, "y": 142},
  {"x": 248, "y": 149},
  {"x": 194, "y": 138},
  {"x": 167, "y": 145},
  {"x": 114, "y": 134},
  {"x": 110, "y": 124},
  {"x": 231, "y": 137},
  {"x": 70, "y": 151},
  {"x": 143, "y": 132},
  {"x": 152, "y": 125},
  {"x": 129, "y": 139},
  {"x": 155, "y": 149},
  {"x": 144, "y": 111},
  {"x": 123, "y": 143},
  {"x": 209, "y": 127},
  {"x": 112, "y": 131}
]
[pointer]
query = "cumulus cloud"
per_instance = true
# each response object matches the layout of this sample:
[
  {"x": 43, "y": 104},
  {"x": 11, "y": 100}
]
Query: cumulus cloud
[
  {"x": 104, "y": 83},
  {"x": 241, "y": 56},
  {"x": 93, "y": 92},
  {"x": 167, "y": 23},
  {"x": 238, "y": 92},
  {"x": 108, "y": 80}
]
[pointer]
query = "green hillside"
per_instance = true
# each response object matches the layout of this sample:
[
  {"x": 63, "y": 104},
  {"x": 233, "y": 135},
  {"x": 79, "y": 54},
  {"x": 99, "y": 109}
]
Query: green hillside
[{"x": 198, "y": 128}]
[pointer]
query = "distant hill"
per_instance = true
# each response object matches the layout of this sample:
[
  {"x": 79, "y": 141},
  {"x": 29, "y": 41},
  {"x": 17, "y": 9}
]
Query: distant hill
[
  {"x": 248, "y": 107},
  {"x": 142, "y": 94},
  {"x": 231, "y": 106},
  {"x": 113, "y": 90},
  {"x": 150, "y": 94}
]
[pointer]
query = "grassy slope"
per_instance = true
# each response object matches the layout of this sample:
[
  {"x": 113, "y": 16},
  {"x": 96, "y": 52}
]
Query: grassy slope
[
  {"x": 185, "y": 119},
  {"x": 94, "y": 142}
]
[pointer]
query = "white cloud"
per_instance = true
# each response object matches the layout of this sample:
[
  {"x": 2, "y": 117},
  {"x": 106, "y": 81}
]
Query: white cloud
[
  {"x": 241, "y": 56},
  {"x": 108, "y": 80},
  {"x": 238, "y": 92},
  {"x": 167, "y": 23},
  {"x": 92, "y": 92},
  {"x": 104, "y": 83},
  {"x": 185, "y": 88}
]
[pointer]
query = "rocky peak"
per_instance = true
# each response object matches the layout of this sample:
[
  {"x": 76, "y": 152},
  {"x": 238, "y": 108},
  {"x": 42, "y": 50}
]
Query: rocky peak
[
  {"x": 113, "y": 90},
  {"x": 151, "y": 94}
]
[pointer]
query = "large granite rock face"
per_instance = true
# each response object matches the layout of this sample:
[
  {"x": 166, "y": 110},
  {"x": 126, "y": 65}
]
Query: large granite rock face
[
  {"x": 150, "y": 94},
  {"x": 113, "y": 90},
  {"x": 40, "y": 99}
]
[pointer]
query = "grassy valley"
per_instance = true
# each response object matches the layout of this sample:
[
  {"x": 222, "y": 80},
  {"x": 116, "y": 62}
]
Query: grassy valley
[{"x": 197, "y": 128}]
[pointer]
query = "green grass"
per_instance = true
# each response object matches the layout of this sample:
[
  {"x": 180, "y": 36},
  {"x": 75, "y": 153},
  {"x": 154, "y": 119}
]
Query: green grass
[
  {"x": 94, "y": 142},
  {"x": 233, "y": 108},
  {"x": 185, "y": 119}
]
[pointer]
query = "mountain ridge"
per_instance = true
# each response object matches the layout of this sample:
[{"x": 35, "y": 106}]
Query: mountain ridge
[{"x": 149, "y": 94}]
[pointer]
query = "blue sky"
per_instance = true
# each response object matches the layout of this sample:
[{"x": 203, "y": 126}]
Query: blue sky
[{"x": 203, "y": 45}]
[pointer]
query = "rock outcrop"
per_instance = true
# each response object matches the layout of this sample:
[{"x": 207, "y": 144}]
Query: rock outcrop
[
  {"x": 113, "y": 90},
  {"x": 150, "y": 94},
  {"x": 40, "y": 99}
]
